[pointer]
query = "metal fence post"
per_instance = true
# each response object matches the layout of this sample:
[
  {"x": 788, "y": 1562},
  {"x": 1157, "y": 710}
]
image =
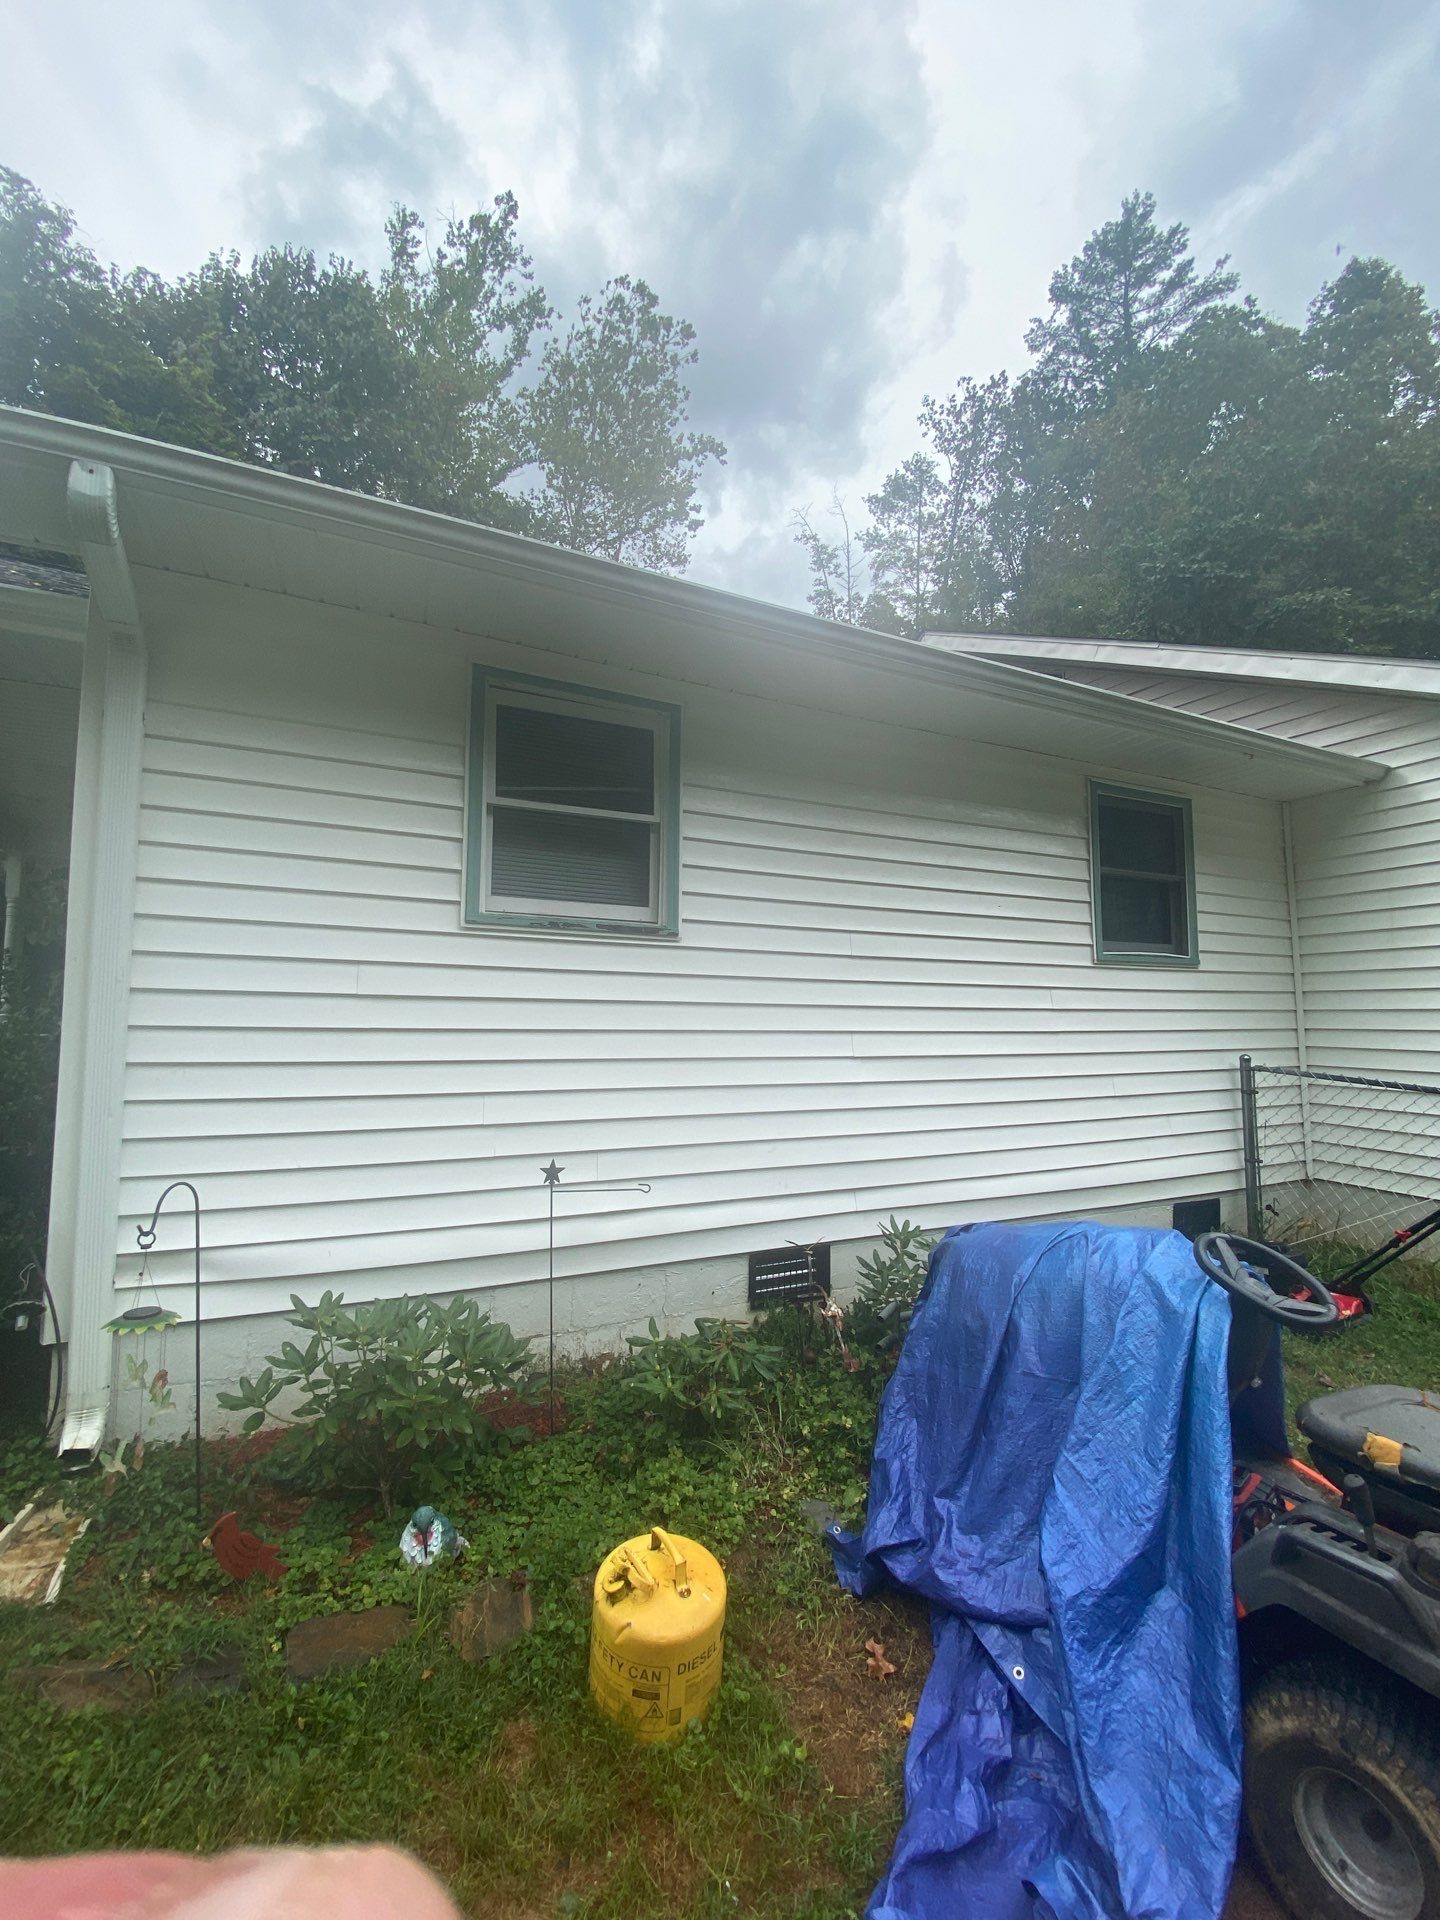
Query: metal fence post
[{"x": 1254, "y": 1220}]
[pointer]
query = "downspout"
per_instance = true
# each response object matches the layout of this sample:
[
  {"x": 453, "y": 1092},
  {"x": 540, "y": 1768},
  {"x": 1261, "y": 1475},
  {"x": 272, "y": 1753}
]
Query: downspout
[
  {"x": 85, "y": 1185},
  {"x": 1297, "y": 975}
]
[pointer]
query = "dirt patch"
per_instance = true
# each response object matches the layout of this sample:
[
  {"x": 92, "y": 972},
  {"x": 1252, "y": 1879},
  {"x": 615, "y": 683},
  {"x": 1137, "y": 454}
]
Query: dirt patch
[
  {"x": 505, "y": 1411},
  {"x": 227, "y": 1456},
  {"x": 516, "y": 1749},
  {"x": 851, "y": 1721}
]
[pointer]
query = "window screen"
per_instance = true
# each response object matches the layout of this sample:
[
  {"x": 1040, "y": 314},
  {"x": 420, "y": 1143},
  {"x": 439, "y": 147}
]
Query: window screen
[
  {"x": 573, "y": 811},
  {"x": 1142, "y": 874}
]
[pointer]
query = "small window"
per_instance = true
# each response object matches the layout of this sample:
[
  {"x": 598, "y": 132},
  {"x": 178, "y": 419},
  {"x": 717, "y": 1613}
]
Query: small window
[
  {"x": 573, "y": 814},
  {"x": 1142, "y": 878}
]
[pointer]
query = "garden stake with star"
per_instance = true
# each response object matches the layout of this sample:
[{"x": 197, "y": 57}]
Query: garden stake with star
[{"x": 551, "y": 1176}]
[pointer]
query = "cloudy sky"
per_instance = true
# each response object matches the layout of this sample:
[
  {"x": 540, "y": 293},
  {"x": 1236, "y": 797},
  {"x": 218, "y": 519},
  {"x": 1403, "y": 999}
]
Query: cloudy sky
[{"x": 855, "y": 203}]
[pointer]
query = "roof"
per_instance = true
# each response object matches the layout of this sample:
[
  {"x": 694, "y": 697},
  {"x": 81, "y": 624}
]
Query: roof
[
  {"x": 194, "y": 515},
  {"x": 1368, "y": 673}
]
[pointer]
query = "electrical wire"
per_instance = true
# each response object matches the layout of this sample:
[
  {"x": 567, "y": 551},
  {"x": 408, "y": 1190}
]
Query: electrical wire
[{"x": 27, "y": 1301}]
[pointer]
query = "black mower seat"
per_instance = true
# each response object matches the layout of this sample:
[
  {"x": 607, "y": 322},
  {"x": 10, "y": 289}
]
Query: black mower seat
[{"x": 1338, "y": 1425}]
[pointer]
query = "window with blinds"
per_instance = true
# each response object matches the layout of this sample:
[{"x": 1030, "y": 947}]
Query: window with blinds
[
  {"x": 574, "y": 808},
  {"x": 1142, "y": 877}
]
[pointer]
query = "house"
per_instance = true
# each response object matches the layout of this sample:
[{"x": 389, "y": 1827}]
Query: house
[
  {"x": 1362, "y": 869},
  {"x": 407, "y": 856}
]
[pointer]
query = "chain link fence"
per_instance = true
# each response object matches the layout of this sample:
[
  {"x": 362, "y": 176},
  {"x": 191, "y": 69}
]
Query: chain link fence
[{"x": 1336, "y": 1159}]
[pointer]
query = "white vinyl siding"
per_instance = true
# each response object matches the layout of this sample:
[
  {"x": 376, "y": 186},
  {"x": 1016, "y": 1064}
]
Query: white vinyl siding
[
  {"x": 884, "y": 998},
  {"x": 1367, "y": 863}
]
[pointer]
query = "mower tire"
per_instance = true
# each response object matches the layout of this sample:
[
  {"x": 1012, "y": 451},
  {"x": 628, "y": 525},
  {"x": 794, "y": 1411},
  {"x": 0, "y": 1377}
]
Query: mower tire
[{"x": 1342, "y": 1791}]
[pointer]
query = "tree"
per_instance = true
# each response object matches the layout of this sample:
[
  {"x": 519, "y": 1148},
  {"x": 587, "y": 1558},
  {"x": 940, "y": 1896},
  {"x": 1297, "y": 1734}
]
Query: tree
[
  {"x": 1133, "y": 287},
  {"x": 465, "y": 314},
  {"x": 837, "y": 568},
  {"x": 401, "y": 387},
  {"x": 69, "y": 343},
  {"x": 972, "y": 433},
  {"x": 411, "y": 384},
  {"x": 1178, "y": 466},
  {"x": 904, "y": 543},
  {"x": 1266, "y": 486},
  {"x": 928, "y": 549},
  {"x": 607, "y": 429}
]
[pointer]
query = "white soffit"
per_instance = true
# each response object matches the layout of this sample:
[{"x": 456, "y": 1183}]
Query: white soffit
[{"x": 194, "y": 515}]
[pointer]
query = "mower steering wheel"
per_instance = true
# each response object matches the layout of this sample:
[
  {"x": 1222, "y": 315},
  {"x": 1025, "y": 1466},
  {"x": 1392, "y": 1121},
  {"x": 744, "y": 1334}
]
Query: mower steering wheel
[{"x": 1247, "y": 1269}]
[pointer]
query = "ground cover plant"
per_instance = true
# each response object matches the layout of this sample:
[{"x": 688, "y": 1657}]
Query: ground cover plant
[{"x": 499, "y": 1775}]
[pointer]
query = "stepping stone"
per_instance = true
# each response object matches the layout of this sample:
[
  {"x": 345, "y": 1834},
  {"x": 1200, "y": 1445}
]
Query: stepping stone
[
  {"x": 336, "y": 1642},
  {"x": 496, "y": 1614},
  {"x": 33, "y": 1549},
  {"x": 220, "y": 1672},
  {"x": 73, "y": 1684}
]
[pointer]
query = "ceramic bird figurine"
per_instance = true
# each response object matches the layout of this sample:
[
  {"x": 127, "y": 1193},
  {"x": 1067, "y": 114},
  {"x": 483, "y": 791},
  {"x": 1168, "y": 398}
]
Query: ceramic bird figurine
[
  {"x": 241, "y": 1553},
  {"x": 430, "y": 1536}
]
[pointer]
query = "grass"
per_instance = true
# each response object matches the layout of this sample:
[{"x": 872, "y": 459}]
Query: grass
[
  {"x": 500, "y": 1776},
  {"x": 1400, "y": 1341}
]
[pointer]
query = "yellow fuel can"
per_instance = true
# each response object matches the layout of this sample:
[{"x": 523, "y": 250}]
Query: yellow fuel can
[{"x": 657, "y": 1633}]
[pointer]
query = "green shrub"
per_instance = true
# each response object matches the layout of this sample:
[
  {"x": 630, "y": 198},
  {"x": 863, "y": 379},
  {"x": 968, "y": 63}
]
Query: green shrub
[
  {"x": 702, "y": 1380},
  {"x": 890, "y": 1283},
  {"x": 389, "y": 1392}
]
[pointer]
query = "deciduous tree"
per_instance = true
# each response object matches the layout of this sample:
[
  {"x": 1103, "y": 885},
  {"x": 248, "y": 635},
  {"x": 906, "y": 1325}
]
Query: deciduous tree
[{"x": 607, "y": 425}]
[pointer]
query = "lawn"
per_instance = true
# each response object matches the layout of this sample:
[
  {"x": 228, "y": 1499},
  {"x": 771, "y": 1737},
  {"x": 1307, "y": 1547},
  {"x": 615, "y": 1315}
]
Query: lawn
[
  {"x": 499, "y": 1774},
  {"x": 1400, "y": 1341}
]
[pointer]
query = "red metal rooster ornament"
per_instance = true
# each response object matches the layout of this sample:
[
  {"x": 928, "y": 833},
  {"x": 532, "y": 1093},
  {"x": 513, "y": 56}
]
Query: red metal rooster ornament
[{"x": 241, "y": 1553}]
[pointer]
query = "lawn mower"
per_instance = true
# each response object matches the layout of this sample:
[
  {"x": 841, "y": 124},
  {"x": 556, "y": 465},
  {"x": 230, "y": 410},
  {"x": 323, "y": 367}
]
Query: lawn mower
[{"x": 1337, "y": 1590}]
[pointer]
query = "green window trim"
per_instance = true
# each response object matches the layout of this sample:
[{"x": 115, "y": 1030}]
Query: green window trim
[
  {"x": 488, "y": 686},
  {"x": 1114, "y": 953}
]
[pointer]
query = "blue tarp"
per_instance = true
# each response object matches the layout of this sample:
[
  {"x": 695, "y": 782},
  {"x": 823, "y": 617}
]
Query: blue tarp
[{"x": 1052, "y": 1472}]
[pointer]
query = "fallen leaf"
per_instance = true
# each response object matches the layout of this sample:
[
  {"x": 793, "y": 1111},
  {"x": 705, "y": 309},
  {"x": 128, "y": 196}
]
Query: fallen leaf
[
  {"x": 1324, "y": 1379},
  {"x": 428, "y": 1674},
  {"x": 877, "y": 1663},
  {"x": 906, "y": 1723}
]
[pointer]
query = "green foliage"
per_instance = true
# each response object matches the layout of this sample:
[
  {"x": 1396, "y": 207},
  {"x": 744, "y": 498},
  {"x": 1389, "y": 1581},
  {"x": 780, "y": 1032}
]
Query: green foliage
[
  {"x": 388, "y": 1392},
  {"x": 1132, "y": 289},
  {"x": 1400, "y": 1341},
  {"x": 415, "y": 385},
  {"x": 500, "y": 1776},
  {"x": 1174, "y": 466},
  {"x": 69, "y": 338},
  {"x": 890, "y": 1283},
  {"x": 143, "y": 1523},
  {"x": 27, "y": 1467},
  {"x": 701, "y": 1381},
  {"x": 607, "y": 427}
]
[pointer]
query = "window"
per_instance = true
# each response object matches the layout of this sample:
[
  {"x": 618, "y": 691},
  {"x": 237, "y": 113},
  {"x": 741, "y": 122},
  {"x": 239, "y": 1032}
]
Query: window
[
  {"x": 1142, "y": 878},
  {"x": 573, "y": 812}
]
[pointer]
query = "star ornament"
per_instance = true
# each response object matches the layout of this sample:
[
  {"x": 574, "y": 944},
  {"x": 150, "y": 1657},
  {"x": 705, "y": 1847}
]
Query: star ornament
[{"x": 552, "y": 1174}]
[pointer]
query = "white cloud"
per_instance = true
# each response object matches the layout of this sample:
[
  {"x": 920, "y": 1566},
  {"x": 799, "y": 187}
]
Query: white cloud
[{"x": 853, "y": 205}]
